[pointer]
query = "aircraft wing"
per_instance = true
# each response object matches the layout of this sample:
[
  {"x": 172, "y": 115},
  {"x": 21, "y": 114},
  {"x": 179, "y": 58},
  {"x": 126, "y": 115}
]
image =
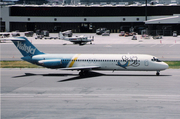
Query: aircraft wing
[{"x": 80, "y": 68}]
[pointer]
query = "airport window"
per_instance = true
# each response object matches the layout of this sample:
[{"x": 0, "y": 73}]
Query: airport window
[{"x": 92, "y": 11}]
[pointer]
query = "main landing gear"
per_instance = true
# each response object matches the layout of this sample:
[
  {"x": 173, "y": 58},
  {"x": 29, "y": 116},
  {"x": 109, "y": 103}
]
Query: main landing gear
[
  {"x": 83, "y": 73},
  {"x": 157, "y": 73}
]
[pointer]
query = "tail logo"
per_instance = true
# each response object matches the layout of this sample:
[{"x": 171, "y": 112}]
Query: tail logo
[{"x": 25, "y": 48}]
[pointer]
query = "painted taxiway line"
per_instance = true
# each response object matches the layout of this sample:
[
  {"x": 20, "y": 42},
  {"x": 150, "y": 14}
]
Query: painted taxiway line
[
  {"x": 162, "y": 45},
  {"x": 172, "y": 45},
  {"x": 117, "y": 96},
  {"x": 153, "y": 45}
]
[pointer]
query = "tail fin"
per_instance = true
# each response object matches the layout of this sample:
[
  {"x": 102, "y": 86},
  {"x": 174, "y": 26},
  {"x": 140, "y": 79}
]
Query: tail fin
[
  {"x": 25, "y": 47},
  {"x": 61, "y": 35}
]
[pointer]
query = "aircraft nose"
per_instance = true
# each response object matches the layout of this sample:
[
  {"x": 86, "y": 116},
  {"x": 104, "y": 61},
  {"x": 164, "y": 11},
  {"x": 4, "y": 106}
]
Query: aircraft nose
[{"x": 165, "y": 65}]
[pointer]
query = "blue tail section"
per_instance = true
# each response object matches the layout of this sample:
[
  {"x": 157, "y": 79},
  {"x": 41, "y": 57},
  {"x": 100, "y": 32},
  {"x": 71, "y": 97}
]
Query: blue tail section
[{"x": 25, "y": 47}]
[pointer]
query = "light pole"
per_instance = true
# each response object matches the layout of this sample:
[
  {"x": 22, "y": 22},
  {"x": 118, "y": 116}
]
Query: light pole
[{"x": 146, "y": 11}]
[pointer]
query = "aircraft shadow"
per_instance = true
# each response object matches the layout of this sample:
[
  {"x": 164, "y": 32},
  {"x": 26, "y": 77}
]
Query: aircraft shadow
[
  {"x": 92, "y": 74},
  {"x": 31, "y": 74},
  {"x": 77, "y": 77}
]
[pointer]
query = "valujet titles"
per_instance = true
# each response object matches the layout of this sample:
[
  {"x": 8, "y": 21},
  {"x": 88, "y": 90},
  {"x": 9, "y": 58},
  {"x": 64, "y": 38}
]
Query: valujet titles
[{"x": 25, "y": 48}]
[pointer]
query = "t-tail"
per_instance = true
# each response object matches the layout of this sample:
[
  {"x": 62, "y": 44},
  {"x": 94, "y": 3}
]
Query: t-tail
[
  {"x": 26, "y": 48},
  {"x": 61, "y": 36}
]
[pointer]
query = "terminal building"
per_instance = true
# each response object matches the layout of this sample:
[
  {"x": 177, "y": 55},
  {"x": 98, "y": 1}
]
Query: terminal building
[{"x": 156, "y": 19}]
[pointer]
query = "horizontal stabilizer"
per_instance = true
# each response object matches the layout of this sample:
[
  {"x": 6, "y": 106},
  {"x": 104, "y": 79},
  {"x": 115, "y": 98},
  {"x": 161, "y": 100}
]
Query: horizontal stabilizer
[
  {"x": 81, "y": 68},
  {"x": 13, "y": 39}
]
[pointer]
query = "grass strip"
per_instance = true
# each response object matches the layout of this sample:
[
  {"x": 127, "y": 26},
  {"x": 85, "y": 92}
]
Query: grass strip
[
  {"x": 17, "y": 64},
  {"x": 24, "y": 64},
  {"x": 173, "y": 64}
]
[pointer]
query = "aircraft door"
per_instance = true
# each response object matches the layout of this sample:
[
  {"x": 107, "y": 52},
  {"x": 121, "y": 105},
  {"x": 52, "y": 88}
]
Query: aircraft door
[{"x": 146, "y": 63}]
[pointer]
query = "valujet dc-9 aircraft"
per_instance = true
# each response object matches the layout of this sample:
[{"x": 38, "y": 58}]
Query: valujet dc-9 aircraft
[{"x": 86, "y": 62}]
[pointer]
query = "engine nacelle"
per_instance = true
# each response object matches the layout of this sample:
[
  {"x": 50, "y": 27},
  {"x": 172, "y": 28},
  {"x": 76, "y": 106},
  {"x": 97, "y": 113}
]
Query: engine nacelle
[{"x": 54, "y": 63}]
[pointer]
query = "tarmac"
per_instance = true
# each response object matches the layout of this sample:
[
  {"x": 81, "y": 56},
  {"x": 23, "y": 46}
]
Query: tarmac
[
  {"x": 114, "y": 38},
  {"x": 45, "y": 93}
]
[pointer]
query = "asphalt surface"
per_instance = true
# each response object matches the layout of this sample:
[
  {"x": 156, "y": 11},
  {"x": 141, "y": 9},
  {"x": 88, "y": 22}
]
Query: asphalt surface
[
  {"x": 46, "y": 93},
  {"x": 163, "y": 52}
]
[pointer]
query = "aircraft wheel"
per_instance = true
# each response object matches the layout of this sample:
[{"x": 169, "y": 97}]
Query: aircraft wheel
[
  {"x": 83, "y": 73},
  {"x": 158, "y": 73},
  {"x": 80, "y": 73}
]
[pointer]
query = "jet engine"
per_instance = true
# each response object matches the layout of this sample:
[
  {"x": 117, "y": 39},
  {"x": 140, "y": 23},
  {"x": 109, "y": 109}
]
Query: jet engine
[{"x": 54, "y": 63}]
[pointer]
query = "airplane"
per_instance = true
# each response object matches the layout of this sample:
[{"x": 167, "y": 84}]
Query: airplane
[
  {"x": 81, "y": 40},
  {"x": 87, "y": 62}
]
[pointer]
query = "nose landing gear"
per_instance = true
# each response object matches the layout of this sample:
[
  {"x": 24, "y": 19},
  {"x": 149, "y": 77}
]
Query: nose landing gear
[{"x": 157, "y": 73}]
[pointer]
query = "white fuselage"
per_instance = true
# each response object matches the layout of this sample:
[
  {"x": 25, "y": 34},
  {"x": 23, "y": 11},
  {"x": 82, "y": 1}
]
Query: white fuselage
[{"x": 128, "y": 62}]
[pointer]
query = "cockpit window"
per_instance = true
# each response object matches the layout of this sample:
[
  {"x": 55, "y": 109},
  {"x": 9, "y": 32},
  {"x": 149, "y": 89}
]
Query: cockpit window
[{"x": 155, "y": 59}]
